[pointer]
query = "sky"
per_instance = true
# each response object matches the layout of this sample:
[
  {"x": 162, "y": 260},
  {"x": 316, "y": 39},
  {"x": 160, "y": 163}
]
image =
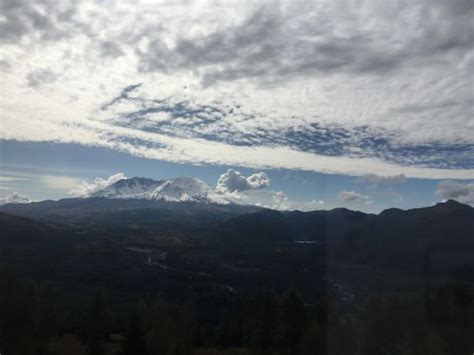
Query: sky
[{"x": 361, "y": 104}]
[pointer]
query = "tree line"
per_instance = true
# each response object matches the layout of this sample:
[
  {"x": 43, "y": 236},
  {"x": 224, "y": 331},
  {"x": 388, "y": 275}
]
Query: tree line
[{"x": 38, "y": 320}]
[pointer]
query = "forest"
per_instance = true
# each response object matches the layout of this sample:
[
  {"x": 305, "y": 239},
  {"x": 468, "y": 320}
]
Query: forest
[{"x": 98, "y": 277}]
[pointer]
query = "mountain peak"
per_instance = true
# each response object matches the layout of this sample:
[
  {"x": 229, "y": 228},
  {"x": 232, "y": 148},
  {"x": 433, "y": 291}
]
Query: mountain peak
[
  {"x": 131, "y": 188},
  {"x": 180, "y": 189},
  {"x": 451, "y": 202},
  {"x": 452, "y": 205}
]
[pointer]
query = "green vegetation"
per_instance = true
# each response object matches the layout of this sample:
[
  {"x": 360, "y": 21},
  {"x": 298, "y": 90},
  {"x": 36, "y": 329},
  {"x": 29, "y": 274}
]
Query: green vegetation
[
  {"x": 181, "y": 280},
  {"x": 35, "y": 321}
]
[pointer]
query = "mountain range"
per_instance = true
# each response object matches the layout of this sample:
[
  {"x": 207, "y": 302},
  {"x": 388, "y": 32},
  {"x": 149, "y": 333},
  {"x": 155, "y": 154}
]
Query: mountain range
[
  {"x": 184, "y": 231},
  {"x": 190, "y": 203}
]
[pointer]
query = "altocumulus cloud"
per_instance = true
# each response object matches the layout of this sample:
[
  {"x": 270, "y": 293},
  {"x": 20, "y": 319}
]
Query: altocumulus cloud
[
  {"x": 236, "y": 83},
  {"x": 234, "y": 181},
  {"x": 453, "y": 190}
]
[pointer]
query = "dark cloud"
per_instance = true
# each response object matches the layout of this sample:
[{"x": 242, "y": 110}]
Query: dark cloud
[
  {"x": 385, "y": 80},
  {"x": 41, "y": 76},
  {"x": 110, "y": 49},
  {"x": 276, "y": 43},
  {"x": 5, "y": 66},
  {"x": 353, "y": 197},
  {"x": 41, "y": 19},
  {"x": 453, "y": 190}
]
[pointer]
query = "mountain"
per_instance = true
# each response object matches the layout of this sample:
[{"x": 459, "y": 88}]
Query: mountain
[
  {"x": 136, "y": 187},
  {"x": 270, "y": 225},
  {"x": 181, "y": 189},
  {"x": 179, "y": 201},
  {"x": 437, "y": 240},
  {"x": 19, "y": 229},
  {"x": 188, "y": 190},
  {"x": 443, "y": 221}
]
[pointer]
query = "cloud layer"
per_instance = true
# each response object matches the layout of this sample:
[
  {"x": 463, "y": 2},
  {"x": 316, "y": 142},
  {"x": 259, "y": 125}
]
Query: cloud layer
[{"x": 331, "y": 86}]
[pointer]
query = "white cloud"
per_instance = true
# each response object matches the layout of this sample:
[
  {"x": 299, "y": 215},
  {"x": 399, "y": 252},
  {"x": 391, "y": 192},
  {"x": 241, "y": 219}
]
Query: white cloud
[
  {"x": 453, "y": 190},
  {"x": 197, "y": 151},
  {"x": 275, "y": 66},
  {"x": 353, "y": 197},
  {"x": 383, "y": 179},
  {"x": 277, "y": 200},
  {"x": 85, "y": 188},
  {"x": 15, "y": 198},
  {"x": 280, "y": 201},
  {"x": 310, "y": 205},
  {"x": 232, "y": 181},
  {"x": 58, "y": 182}
]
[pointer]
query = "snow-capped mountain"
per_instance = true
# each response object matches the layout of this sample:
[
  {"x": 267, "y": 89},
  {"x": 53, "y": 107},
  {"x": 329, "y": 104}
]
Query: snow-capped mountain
[
  {"x": 136, "y": 187},
  {"x": 181, "y": 189}
]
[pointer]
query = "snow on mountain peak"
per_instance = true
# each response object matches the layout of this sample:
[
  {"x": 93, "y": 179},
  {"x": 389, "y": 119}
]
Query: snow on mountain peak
[
  {"x": 181, "y": 189},
  {"x": 128, "y": 188}
]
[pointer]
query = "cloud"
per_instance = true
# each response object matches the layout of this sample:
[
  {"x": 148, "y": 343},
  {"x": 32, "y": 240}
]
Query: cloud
[
  {"x": 328, "y": 86},
  {"x": 5, "y": 66},
  {"x": 15, "y": 198},
  {"x": 197, "y": 151},
  {"x": 383, "y": 179},
  {"x": 276, "y": 200},
  {"x": 220, "y": 122},
  {"x": 41, "y": 19},
  {"x": 353, "y": 197},
  {"x": 310, "y": 205},
  {"x": 453, "y": 190},
  {"x": 233, "y": 181},
  {"x": 280, "y": 201},
  {"x": 280, "y": 41},
  {"x": 12, "y": 178},
  {"x": 85, "y": 188},
  {"x": 110, "y": 49},
  {"x": 41, "y": 76},
  {"x": 57, "y": 182}
]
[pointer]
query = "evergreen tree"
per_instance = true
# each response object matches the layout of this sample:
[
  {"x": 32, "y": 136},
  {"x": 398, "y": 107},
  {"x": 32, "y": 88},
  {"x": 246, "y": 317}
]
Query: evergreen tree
[
  {"x": 267, "y": 324},
  {"x": 135, "y": 343},
  {"x": 17, "y": 316},
  {"x": 97, "y": 324},
  {"x": 292, "y": 324}
]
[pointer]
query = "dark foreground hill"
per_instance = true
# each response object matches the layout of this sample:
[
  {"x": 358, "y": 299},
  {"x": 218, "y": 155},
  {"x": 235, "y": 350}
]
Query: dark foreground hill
[
  {"x": 449, "y": 222},
  {"x": 220, "y": 276},
  {"x": 437, "y": 240},
  {"x": 16, "y": 229}
]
